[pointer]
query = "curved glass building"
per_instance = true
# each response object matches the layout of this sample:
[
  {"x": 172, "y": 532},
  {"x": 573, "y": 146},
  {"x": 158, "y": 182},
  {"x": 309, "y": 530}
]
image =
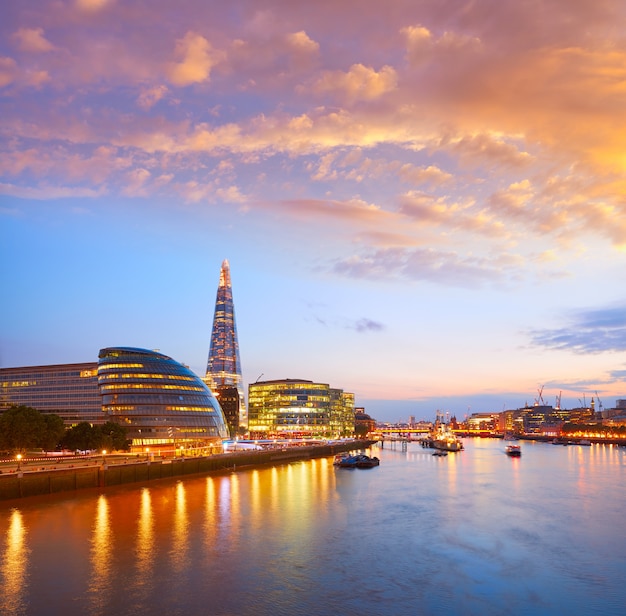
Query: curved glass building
[{"x": 162, "y": 403}]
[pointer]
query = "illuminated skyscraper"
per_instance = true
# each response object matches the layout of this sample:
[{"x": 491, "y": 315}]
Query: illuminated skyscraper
[{"x": 224, "y": 366}]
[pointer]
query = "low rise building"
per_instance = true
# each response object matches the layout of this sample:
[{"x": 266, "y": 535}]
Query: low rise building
[{"x": 299, "y": 408}]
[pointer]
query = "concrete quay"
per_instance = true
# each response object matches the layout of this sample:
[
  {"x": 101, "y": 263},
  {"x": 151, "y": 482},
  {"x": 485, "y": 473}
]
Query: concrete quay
[{"x": 26, "y": 483}]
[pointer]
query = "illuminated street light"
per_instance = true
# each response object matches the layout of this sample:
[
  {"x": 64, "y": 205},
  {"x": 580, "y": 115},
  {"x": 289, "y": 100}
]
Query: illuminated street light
[{"x": 18, "y": 457}]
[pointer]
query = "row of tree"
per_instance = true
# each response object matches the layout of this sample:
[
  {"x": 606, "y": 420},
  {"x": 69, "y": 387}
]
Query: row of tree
[{"x": 23, "y": 428}]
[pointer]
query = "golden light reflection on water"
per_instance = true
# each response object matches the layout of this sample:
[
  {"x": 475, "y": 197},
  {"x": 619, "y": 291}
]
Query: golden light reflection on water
[
  {"x": 210, "y": 517},
  {"x": 101, "y": 555},
  {"x": 14, "y": 568},
  {"x": 256, "y": 500},
  {"x": 180, "y": 537},
  {"x": 145, "y": 540}
]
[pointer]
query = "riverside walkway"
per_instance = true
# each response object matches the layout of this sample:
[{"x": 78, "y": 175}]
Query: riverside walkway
[{"x": 39, "y": 477}]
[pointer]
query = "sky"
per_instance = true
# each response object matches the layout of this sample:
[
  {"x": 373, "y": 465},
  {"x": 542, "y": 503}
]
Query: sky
[{"x": 423, "y": 202}]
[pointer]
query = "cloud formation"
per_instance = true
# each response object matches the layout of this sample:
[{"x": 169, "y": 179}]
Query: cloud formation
[
  {"x": 481, "y": 145},
  {"x": 196, "y": 59},
  {"x": 592, "y": 331}
]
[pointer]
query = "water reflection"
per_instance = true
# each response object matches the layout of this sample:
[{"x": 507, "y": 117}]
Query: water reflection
[
  {"x": 101, "y": 557},
  {"x": 181, "y": 530},
  {"x": 145, "y": 542},
  {"x": 475, "y": 531},
  {"x": 14, "y": 567}
]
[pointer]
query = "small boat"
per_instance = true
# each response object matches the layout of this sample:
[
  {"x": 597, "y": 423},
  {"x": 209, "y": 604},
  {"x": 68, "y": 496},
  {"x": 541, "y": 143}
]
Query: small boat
[
  {"x": 440, "y": 453},
  {"x": 584, "y": 442},
  {"x": 355, "y": 461},
  {"x": 515, "y": 451},
  {"x": 345, "y": 461},
  {"x": 363, "y": 461}
]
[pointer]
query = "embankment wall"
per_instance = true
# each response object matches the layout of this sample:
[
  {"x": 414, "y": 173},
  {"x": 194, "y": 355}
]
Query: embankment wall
[{"x": 37, "y": 483}]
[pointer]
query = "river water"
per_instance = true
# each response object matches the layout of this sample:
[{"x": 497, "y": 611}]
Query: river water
[{"x": 475, "y": 532}]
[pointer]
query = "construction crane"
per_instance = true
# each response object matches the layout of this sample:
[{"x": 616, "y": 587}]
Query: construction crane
[
  {"x": 540, "y": 398},
  {"x": 557, "y": 404},
  {"x": 599, "y": 403}
]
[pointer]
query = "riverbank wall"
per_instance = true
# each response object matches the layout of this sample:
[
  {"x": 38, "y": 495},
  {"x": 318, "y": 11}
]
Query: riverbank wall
[{"x": 37, "y": 483}]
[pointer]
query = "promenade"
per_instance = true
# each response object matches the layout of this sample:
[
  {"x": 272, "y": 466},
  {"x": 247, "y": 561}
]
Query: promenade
[{"x": 39, "y": 477}]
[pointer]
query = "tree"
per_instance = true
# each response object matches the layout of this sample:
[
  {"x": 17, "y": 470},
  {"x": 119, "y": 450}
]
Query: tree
[
  {"x": 21, "y": 427},
  {"x": 53, "y": 432},
  {"x": 110, "y": 436},
  {"x": 82, "y": 436},
  {"x": 113, "y": 437}
]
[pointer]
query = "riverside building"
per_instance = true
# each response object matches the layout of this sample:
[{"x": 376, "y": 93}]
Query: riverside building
[
  {"x": 298, "y": 408},
  {"x": 67, "y": 390},
  {"x": 161, "y": 402}
]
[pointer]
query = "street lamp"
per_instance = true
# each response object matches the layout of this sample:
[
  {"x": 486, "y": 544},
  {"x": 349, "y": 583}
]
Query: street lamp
[
  {"x": 104, "y": 453},
  {"x": 18, "y": 457}
]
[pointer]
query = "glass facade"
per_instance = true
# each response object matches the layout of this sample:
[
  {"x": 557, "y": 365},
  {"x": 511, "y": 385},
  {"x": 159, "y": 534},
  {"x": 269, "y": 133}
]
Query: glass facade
[
  {"x": 68, "y": 390},
  {"x": 160, "y": 401},
  {"x": 224, "y": 366},
  {"x": 299, "y": 408}
]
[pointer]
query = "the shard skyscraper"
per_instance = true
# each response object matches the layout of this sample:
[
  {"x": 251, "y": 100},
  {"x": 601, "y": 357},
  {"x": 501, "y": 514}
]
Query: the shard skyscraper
[{"x": 224, "y": 366}]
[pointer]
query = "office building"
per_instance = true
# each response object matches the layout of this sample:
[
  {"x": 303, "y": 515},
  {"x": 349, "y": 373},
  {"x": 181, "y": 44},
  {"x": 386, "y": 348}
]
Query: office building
[
  {"x": 67, "y": 390},
  {"x": 160, "y": 401},
  {"x": 224, "y": 364},
  {"x": 230, "y": 401},
  {"x": 299, "y": 408}
]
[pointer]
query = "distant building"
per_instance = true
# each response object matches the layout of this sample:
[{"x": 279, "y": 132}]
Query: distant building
[
  {"x": 363, "y": 423},
  {"x": 481, "y": 421},
  {"x": 158, "y": 400},
  {"x": 299, "y": 408},
  {"x": 67, "y": 390},
  {"x": 230, "y": 400},
  {"x": 224, "y": 365}
]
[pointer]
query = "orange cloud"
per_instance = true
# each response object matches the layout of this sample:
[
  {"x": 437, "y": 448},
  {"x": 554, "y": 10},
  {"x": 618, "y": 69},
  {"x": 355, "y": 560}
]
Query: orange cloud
[
  {"x": 8, "y": 71},
  {"x": 197, "y": 59},
  {"x": 32, "y": 40},
  {"x": 93, "y": 5},
  {"x": 359, "y": 83}
]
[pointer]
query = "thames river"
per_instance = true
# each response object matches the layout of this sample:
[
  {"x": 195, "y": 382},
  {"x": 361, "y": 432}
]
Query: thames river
[{"x": 475, "y": 532}]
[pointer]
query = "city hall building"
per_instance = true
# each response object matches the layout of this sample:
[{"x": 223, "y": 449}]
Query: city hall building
[
  {"x": 158, "y": 400},
  {"x": 298, "y": 408}
]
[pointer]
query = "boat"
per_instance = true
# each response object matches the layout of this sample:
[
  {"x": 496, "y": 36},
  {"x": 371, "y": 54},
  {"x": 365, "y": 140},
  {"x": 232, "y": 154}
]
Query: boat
[
  {"x": 441, "y": 437},
  {"x": 515, "y": 451},
  {"x": 345, "y": 461},
  {"x": 364, "y": 461},
  {"x": 359, "y": 460},
  {"x": 440, "y": 453},
  {"x": 584, "y": 442}
]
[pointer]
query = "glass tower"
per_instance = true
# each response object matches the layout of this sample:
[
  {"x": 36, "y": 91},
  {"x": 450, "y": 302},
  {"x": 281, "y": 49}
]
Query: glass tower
[{"x": 224, "y": 366}]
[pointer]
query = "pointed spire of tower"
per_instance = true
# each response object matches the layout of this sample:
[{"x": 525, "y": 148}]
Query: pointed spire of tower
[{"x": 224, "y": 365}]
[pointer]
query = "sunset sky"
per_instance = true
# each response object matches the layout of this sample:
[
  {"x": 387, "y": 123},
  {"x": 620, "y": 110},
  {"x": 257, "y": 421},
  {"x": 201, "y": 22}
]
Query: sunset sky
[{"x": 422, "y": 202}]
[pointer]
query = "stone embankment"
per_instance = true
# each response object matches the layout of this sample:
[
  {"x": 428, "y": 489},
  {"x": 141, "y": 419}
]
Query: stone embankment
[{"x": 50, "y": 481}]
